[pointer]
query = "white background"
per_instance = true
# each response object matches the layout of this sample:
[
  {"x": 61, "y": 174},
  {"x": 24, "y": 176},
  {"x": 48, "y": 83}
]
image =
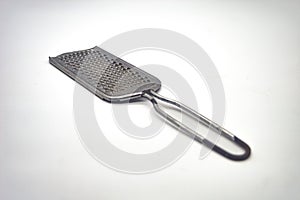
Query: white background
[{"x": 255, "y": 47}]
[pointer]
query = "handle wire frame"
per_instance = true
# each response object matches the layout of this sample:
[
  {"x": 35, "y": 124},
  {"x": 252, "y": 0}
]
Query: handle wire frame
[{"x": 151, "y": 95}]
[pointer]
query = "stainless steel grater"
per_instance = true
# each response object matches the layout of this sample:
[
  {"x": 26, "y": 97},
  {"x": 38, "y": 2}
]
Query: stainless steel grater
[{"x": 117, "y": 81}]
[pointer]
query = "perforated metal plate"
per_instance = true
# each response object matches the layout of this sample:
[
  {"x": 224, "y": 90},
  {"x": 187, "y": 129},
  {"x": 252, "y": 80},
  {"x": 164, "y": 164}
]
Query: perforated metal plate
[{"x": 107, "y": 76}]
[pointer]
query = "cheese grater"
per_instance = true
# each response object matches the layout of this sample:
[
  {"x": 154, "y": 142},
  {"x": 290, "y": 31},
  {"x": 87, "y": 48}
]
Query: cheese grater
[{"x": 116, "y": 81}]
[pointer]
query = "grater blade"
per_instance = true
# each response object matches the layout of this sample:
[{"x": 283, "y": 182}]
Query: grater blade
[{"x": 107, "y": 76}]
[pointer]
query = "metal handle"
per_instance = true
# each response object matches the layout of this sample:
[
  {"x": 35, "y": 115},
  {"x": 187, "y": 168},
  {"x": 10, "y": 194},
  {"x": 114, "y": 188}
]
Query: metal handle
[{"x": 151, "y": 95}]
